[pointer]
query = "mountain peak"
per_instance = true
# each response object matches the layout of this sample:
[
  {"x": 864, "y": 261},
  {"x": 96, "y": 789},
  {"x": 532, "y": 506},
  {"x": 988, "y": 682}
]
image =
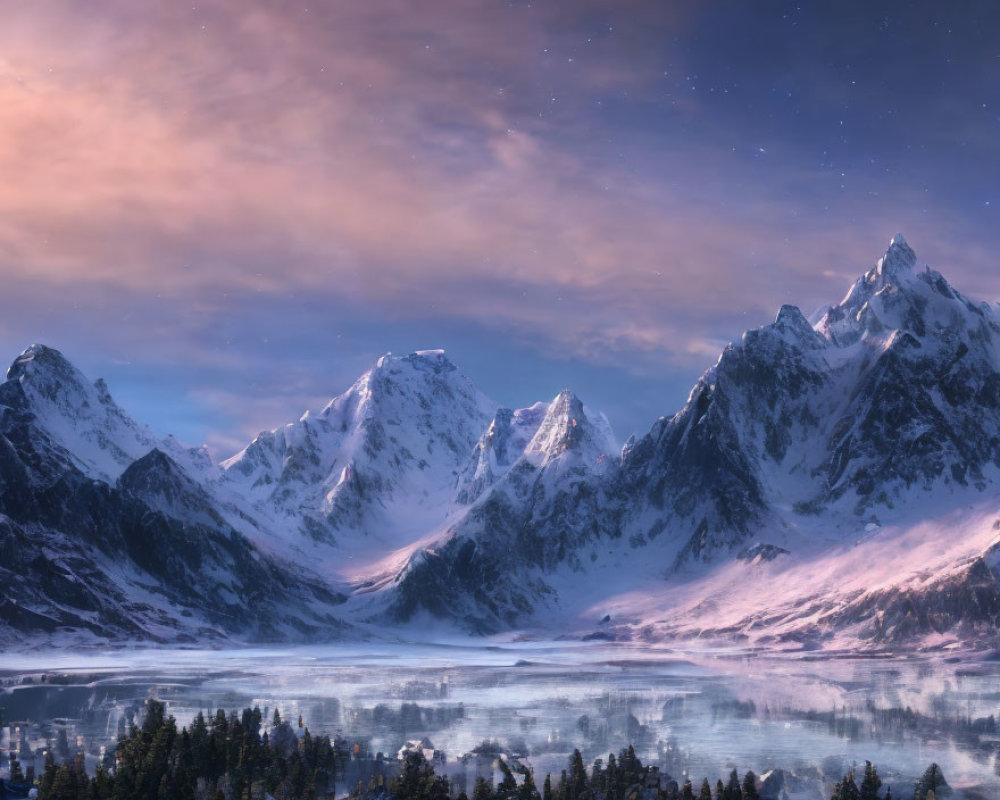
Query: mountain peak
[
  {"x": 898, "y": 257},
  {"x": 504, "y": 441},
  {"x": 76, "y": 415},
  {"x": 426, "y": 360},
  {"x": 432, "y": 360},
  {"x": 47, "y": 376},
  {"x": 568, "y": 427},
  {"x": 791, "y": 326},
  {"x": 567, "y": 402},
  {"x": 791, "y": 319},
  {"x": 39, "y": 357}
]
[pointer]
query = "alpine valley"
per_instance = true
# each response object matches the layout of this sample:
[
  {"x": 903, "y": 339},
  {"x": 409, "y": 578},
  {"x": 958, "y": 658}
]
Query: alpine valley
[{"x": 830, "y": 484}]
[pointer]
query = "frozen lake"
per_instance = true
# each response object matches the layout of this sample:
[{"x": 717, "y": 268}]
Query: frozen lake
[{"x": 697, "y": 713}]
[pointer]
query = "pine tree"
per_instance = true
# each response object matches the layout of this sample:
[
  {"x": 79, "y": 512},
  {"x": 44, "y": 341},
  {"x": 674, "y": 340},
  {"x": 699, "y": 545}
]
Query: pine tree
[
  {"x": 527, "y": 791},
  {"x": 846, "y": 789},
  {"x": 64, "y": 785},
  {"x": 48, "y": 775},
  {"x": 482, "y": 790},
  {"x": 687, "y": 792},
  {"x": 932, "y": 781},
  {"x": 706, "y": 790},
  {"x": 597, "y": 776},
  {"x": 577, "y": 776},
  {"x": 507, "y": 788},
  {"x": 870, "y": 783},
  {"x": 733, "y": 791},
  {"x": 103, "y": 784},
  {"x": 720, "y": 791},
  {"x": 750, "y": 786},
  {"x": 547, "y": 788},
  {"x": 611, "y": 777},
  {"x": 629, "y": 766},
  {"x": 562, "y": 787}
]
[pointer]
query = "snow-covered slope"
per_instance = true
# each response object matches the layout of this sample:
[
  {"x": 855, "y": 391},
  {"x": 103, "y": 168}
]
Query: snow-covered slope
[
  {"x": 933, "y": 582},
  {"x": 373, "y": 471}
]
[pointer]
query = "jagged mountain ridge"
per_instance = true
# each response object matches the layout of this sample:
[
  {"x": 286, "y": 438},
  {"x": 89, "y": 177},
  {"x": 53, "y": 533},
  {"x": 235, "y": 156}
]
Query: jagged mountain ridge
[
  {"x": 798, "y": 434},
  {"x": 411, "y": 494},
  {"x": 487, "y": 569}
]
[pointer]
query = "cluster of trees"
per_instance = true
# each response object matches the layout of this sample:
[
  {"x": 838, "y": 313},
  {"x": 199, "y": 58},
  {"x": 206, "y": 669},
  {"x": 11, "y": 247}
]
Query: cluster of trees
[
  {"x": 931, "y": 786},
  {"x": 623, "y": 778},
  {"x": 230, "y": 758},
  {"x": 224, "y": 758},
  {"x": 848, "y": 789}
]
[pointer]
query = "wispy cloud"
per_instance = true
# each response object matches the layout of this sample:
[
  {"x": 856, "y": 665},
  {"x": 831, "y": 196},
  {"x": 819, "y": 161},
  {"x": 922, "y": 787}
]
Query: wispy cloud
[{"x": 177, "y": 180}]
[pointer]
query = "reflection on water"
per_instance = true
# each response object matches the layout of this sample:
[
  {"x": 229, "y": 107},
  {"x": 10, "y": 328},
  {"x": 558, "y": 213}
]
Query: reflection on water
[{"x": 697, "y": 714}]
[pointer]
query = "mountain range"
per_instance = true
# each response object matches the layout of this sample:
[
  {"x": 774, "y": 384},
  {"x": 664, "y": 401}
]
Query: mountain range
[{"x": 828, "y": 485}]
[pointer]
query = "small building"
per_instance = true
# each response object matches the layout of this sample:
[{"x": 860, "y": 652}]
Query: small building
[{"x": 423, "y": 746}]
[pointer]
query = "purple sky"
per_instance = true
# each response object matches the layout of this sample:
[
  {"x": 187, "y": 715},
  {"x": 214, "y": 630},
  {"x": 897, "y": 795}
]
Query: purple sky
[{"x": 231, "y": 209}]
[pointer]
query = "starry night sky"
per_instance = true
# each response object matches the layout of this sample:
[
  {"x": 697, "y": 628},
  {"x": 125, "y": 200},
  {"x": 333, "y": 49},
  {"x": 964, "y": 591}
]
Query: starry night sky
[{"x": 231, "y": 209}]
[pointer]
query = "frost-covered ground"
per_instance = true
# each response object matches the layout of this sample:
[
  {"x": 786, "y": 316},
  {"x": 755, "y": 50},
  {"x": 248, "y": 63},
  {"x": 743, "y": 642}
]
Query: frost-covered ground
[{"x": 702, "y": 712}]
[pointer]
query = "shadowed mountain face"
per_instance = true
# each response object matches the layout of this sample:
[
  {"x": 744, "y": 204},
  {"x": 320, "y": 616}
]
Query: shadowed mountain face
[
  {"x": 145, "y": 557},
  {"x": 411, "y": 494}
]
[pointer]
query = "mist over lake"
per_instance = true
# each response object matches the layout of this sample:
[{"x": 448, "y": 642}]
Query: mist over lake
[{"x": 693, "y": 713}]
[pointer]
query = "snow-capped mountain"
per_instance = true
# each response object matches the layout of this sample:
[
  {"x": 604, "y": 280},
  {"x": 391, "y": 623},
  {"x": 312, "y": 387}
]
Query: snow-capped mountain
[
  {"x": 895, "y": 390},
  {"x": 108, "y": 549},
  {"x": 504, "y": 442},
  {"x": 79, "y": 418},
  {"x": 372, "y": 472},
  {"x": 800, "y": 438},
  {"x": 824, "y": 483},
  {"x": 562, "y": 430},
  {"x": 532, "y": 511}
]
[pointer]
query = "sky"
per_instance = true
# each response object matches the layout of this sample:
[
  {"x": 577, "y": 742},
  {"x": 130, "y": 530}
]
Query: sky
[{"x": 231, "y": 209}]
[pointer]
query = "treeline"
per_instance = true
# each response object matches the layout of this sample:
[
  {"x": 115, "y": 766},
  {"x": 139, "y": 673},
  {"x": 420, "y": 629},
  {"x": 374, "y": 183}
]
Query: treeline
[
  {"x": 231, "y": 758},
  {"x": 224, "y": 758},
  {"x": 623, "y": 778}
]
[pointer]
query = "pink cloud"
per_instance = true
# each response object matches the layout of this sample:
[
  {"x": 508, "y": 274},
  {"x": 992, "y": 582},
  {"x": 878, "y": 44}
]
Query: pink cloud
[{"x": 405, "y": 156}]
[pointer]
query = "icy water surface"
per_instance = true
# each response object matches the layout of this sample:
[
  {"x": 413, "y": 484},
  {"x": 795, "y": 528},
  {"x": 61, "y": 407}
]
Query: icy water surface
[{"x": 693, "y": 713}]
